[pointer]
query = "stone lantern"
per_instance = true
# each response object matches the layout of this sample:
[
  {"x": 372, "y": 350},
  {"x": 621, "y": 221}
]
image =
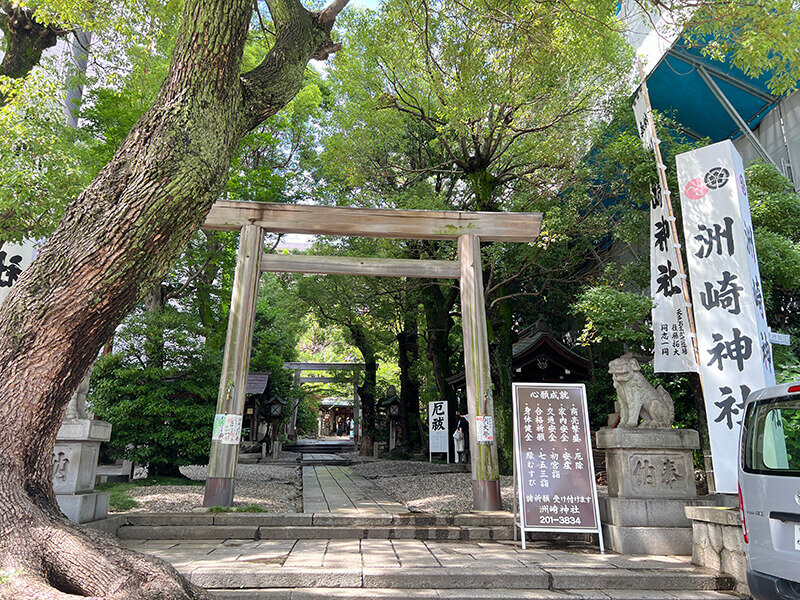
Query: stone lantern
[
  {"x": 75, "y": 457},
  {"x": 275, "y": 410},
  {"x": 392, "y": 404}
]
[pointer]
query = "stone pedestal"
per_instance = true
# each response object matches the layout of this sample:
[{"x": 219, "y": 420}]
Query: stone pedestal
[
  {"x": 650, "y": 482},
  {"x": 75, "y": 457}
]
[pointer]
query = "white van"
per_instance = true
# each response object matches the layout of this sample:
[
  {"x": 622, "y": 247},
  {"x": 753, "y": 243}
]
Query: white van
[{"x": 769, "y": 491}]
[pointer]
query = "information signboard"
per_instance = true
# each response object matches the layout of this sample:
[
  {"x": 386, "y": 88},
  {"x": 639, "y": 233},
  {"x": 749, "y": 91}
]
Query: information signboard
[
  {"x": 437, "y": 428},
  {"x": 553, "y": 460}
]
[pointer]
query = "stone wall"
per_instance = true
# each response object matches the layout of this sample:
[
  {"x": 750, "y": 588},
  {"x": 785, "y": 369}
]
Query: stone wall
[{"x": 718, "y": 543}]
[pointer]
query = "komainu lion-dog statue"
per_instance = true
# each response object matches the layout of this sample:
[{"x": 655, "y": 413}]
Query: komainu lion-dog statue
[{"x": 638, "y": 398}]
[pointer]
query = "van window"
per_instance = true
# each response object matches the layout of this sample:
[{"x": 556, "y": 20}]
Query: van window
[{"x": 772, "y": 437}]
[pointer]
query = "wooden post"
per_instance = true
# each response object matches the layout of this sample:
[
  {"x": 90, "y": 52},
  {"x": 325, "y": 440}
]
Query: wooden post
[
  {"x": 295, "y": 407},
  {"x": 235, "y": 367},
  {"x": 483, "y": 455}
]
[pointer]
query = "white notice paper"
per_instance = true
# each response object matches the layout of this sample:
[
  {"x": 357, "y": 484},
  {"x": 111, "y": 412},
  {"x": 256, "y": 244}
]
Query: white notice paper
[{"x": 227, "y": 429}]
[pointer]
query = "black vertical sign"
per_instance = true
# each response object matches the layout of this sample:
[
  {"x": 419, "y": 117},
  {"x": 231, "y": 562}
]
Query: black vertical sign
[{"x": 553, "y": 453}]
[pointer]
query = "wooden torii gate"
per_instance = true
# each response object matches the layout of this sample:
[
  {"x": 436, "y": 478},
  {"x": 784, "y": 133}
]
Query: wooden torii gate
[
  {"x": 253, "y": 219},
  {"x": 299, "y": 367}
]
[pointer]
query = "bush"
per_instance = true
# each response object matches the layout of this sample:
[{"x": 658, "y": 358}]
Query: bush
[{"x": 161, "y": 418}]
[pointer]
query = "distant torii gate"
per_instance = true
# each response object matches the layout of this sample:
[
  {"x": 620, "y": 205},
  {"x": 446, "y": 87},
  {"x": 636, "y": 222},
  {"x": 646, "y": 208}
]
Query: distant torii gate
[
  {"x": 253, "y": 219},
  {"x": 299, "y": 367}
]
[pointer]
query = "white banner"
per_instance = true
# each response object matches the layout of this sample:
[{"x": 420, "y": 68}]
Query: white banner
[
  {"x": 437, "y": 426},
  {"x": 732, "y": 332},
  {"x": 644, "y": 119},
  {"x": 14, "y": 259},
  {"x": 673, "y": 350}
]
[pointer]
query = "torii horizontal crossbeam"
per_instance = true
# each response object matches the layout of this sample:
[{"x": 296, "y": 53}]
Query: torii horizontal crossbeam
[
  {"x": 349, "y": 265},
  {"x": 374, "y": 222},
  {"x": 311, "y": 379},
  {"x": 322, "y": 366}
]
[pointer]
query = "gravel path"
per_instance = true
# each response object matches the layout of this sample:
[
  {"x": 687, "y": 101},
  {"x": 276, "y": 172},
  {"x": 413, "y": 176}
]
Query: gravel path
[
  {"x": 428, "y": 487},
  {"x": 422, "y": 486},
  {"x": 276, "y": 488}
]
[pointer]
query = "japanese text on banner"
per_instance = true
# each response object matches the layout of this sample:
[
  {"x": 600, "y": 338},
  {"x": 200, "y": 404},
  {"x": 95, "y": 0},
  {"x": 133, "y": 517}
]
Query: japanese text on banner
[{"x": 732, "y": 332}]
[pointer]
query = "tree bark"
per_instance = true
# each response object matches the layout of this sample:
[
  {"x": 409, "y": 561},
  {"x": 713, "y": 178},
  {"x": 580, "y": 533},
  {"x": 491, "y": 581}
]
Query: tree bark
[
  {"x": 408, "y": 355},
  {"x": 437, "y": 305},
  {"x": 114, "y": 243},
  {"x": 501, "y": 348},
  {"x": 367, "y": 390},
  {"x": 26, "y": 39}
]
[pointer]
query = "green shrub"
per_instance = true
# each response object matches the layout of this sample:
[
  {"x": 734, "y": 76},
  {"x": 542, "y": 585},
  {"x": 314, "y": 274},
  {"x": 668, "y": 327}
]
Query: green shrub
[{"x": 161, "y": 418}]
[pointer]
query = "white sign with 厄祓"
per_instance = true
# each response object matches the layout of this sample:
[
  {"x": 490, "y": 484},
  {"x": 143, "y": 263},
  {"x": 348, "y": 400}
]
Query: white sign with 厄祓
[
  {"x": 14, "y": 259},
  {"x": 732, "y": 332},
  {"x": 553, "y": 460},
  {"x": 437, "y": 426}
]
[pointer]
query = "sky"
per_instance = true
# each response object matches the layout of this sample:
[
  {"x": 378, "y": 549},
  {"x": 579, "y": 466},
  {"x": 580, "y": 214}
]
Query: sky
[{"x": 364, "y": 3}]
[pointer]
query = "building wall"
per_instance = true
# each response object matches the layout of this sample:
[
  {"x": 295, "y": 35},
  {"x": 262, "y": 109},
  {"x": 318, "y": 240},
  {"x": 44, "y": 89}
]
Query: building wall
[{"x": 770, "y": 133}]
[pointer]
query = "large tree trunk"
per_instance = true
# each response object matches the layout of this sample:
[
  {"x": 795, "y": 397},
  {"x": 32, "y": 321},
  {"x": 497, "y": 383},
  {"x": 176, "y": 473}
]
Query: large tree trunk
[
  {"x": 408, "y": 355},
  {"x": 367, "y": 390},
  {"x": 25, "y": 40},
  {"x": 114, "y": 243},
  {"x": 438, "y": 304},
  {"x": 502, "y": 369}
]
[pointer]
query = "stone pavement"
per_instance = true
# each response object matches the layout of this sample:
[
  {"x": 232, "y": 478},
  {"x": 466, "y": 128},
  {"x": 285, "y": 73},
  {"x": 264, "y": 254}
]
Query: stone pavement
[
  {"x": 311, "y": 459},
  {"x": 337, "y": 489},
  {"x": 360, "y": 569}
]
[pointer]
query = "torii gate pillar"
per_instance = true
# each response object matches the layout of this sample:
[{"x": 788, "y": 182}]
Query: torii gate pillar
[
  {"x": 483, "y": 453},
  {"x": 235, "y": 367}
]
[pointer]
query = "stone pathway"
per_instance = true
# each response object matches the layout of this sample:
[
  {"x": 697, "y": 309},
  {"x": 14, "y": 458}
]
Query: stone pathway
[
  {"x": 337, "y": 489},
  {"x": 310, "y": 459},
  {"x": 295, "y": 569}
]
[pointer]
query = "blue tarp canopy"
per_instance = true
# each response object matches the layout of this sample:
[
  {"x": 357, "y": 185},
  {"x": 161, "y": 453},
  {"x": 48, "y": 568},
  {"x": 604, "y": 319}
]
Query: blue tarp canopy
[{"x": 676, "y": 87}]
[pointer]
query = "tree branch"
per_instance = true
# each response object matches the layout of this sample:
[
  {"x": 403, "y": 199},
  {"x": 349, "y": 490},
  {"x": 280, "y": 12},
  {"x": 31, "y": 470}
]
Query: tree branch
[
  {"x": 300, "y": 36},
  {"x": 174, "y": 293},
  {"x": 332, "y": 11},
  {"x": 518, "y": 294}
]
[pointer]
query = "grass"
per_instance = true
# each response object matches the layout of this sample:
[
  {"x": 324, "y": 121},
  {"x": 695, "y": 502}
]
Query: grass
[
  {"x": 250, "y": 508},
  {"x": 121, "y": 500}
]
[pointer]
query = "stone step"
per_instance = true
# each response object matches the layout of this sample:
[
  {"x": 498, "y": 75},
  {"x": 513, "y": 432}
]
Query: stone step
[
  {"x": 186, "y": 532},
  {"x": 256, "y": 532},
  {"x": 489, "y": 519},
  {"x": 320, "y": 448},
  {"x": 449, "y": 578},
  {"x": 317, "y": 459},
  {"x": 465, "y": 594},
  {"x": 387, "y": 533}
]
